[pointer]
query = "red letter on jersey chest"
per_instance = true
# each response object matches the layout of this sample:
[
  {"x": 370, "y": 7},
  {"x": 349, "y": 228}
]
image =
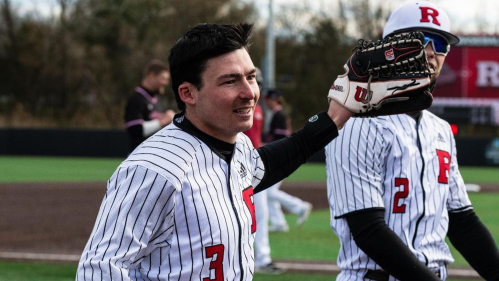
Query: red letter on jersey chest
[
  {"x": 444, "y": 162},
  {"x": 248, "y": 199},
  {"x": 427, "y": 12}
]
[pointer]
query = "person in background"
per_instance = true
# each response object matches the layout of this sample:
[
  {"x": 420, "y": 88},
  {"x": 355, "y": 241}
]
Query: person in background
[
  {"x": 142, "y": 118},
  {"x": 280, "y": 127},
  {"x": 263, "y": 261}
]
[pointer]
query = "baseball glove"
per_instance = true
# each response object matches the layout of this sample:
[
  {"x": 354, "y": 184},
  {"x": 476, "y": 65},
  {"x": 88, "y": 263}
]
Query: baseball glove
[{"x": 390, "y": 76}]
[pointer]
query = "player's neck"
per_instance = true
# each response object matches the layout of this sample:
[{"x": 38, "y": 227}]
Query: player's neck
[{"x": 415, "y": 115}]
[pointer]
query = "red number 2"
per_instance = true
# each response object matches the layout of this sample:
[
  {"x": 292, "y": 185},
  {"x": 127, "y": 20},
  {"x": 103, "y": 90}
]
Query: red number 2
[
  {"x": 400, "y": 194},
  {"x": 248, "y": 199},
  {"x": 216, "y": 262}
]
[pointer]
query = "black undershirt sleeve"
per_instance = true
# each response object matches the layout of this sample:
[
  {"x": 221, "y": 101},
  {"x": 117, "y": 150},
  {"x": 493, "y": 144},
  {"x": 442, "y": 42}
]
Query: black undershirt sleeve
[
  {"x": 474, "y": 241},
  {"x": 373, "y": 236},
  {"x": 284, "y": 156}
]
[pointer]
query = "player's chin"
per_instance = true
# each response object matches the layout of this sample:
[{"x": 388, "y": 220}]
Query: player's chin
[
  {"x": 433, "y": 78},
  {"x": 244, "y": 126}
]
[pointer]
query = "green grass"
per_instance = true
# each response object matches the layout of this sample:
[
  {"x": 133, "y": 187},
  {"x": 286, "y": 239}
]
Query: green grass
[
  {"x": 17, "y": 271},
  {"x": 69, "y": 169},
  {"x": 480, "y": 174},
  {"x": 56, "y": 169},
  {"x": 316, "y": 172},
  {"x": 294, "y": 277},
  {"x": 300, "y": 277},
  {"x": 315, "y": 240}
]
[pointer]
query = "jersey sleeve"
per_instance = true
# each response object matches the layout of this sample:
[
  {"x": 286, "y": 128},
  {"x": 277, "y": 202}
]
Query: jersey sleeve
[
  {"x": 259, "y": 168},
  {"x": 135, "y": 217},
  {"x": 355, "y": 163},
  {"x": 458, "y": 199},
  {"x": 134, "y": 116}
]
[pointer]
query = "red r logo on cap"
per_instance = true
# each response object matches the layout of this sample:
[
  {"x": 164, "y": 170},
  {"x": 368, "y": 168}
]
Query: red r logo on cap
[{"x": 427, "y": 12}]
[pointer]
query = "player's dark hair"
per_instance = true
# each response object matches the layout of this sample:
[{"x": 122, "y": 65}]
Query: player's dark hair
[
  {"x": 155, "y": 66},
  {"x": 205, "y": 41}
]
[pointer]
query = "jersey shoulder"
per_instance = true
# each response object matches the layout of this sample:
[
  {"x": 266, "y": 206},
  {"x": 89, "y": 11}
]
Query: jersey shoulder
[
  {"x": 436, "y": 120},
  {"x": 434, "y": 117},
  {"x": 243, "y": 142},
  {"x": 137, "y": 97},
  {"x": 382, "y": 123},
  {"x": 169, "y": 153},
  {"x": 136, "y": 102}
]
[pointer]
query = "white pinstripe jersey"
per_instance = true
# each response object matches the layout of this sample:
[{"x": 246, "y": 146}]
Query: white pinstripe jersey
[
  {"x": 408, "y": 169},
  {"x": 174, "y": 210}
]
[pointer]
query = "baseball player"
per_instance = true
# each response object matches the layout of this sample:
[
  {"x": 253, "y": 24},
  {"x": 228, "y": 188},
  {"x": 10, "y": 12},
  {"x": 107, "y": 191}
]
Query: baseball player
[
  {"x": 280, "y": 127},
  {"x": 142, "y": 118},
  {"x": 394, "y": 198},
  {"x": 180, "y": 207}
]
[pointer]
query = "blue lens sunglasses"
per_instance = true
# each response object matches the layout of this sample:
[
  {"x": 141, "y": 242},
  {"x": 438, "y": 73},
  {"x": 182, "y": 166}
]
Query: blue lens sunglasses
[{"x": 440, "y": 44}]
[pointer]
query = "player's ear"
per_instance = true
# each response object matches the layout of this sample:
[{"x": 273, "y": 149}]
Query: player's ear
[{"x": 188, "y": 93}]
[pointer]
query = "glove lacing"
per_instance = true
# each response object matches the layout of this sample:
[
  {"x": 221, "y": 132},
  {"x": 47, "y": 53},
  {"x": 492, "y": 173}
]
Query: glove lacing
[{"x": 403, "y": 67}]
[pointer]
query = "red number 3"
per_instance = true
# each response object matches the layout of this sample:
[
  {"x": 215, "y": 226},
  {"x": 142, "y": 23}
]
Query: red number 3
[
  {"x": 216, "y": 262},
  {"x": 400, "y": 194}
]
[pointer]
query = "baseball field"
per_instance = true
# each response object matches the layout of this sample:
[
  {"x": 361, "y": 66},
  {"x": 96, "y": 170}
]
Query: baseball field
[{"x": 49, "y": 205}]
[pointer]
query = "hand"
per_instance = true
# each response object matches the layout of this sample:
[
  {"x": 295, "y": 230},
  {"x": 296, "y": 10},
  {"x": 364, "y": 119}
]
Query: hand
[
  {"x": 167, "y": 117},
  {"x": 339, "y": 113}
]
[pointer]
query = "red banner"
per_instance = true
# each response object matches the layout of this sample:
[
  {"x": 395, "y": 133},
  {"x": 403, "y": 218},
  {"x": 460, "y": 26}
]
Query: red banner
[{"x": 470, "y": 72}]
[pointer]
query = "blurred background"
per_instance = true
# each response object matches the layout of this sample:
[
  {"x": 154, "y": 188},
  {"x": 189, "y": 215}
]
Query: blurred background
[
  {"x": 67, "y": 68},
  {"x": 69, "y": 65}
]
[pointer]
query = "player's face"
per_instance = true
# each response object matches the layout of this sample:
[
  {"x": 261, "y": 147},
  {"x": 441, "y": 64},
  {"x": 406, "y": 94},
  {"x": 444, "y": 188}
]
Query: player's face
[
  {"x": 270, "y": 103},
  {"x": 225, "y": 103},
  {"x": 436, "y": 61},
  {"x": 160, "y": 81}
]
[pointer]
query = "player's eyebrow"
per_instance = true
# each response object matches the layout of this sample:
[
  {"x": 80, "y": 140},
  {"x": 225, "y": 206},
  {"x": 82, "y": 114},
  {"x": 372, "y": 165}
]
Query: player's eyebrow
[
  {"x": 235, "y": 75},
  {"x": 229, "y": 75}
]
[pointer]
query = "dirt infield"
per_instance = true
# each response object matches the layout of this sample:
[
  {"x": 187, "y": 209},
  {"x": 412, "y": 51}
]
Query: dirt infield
[{"x": 57, "y": 218}]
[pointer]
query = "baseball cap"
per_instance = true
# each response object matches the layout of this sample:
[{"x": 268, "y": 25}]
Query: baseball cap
[
  {"x": 272, "y": 94},
  {"x": 420, "y": 15}
]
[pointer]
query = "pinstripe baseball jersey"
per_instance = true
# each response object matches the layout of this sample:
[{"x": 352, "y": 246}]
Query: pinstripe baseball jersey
[
  {"x": 175, "y": 210},
  {"x": 407, "y": 167}
]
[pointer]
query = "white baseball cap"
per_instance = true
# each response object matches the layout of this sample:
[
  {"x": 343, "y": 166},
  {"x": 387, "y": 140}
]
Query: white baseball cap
[{"x": 420, "y": 15}]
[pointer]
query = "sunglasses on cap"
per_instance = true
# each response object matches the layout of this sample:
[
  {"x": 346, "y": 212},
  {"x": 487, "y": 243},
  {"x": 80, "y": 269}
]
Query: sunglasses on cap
[{"x": 440, "y": 44}]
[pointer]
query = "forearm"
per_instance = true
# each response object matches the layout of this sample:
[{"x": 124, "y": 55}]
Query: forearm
[
  {"x": 373, "y": 236},
  {"x": 338, "y": 113},
  {"x": 150, "y": 127},
  {"x": 474, "y": 241}
]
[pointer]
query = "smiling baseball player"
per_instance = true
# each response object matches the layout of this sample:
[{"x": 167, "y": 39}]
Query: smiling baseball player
[
  {"x": 395, "y": 197},
  {"x": 181, "y": 206}
]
